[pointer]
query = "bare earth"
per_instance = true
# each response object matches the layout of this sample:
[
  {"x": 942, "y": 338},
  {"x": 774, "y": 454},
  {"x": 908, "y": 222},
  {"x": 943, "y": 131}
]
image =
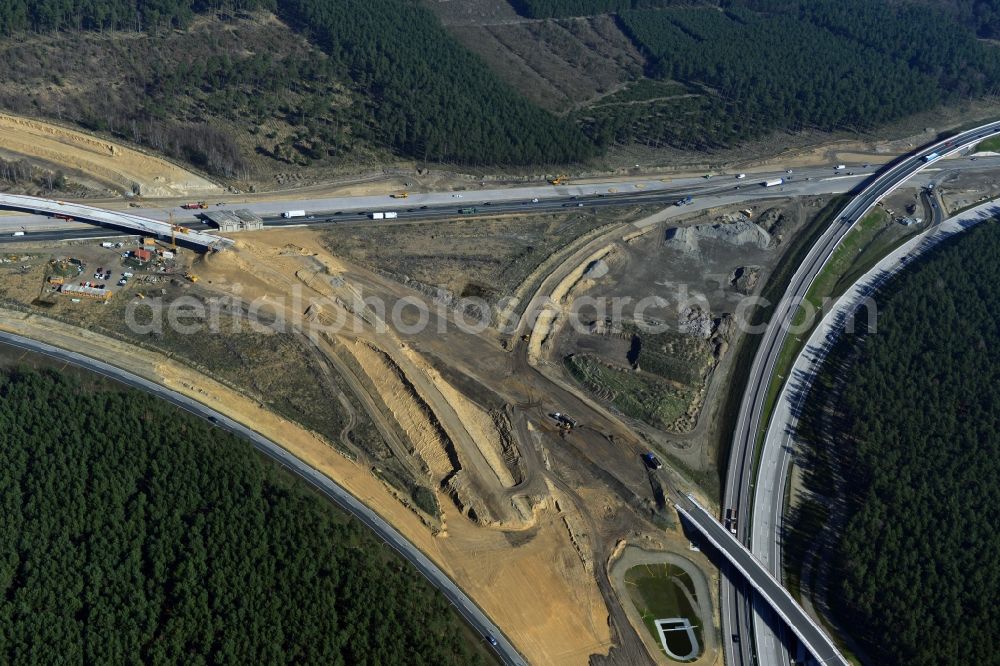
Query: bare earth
[
  {"x": 105, "y": 161},
  {"x": 539, "y": 591}
]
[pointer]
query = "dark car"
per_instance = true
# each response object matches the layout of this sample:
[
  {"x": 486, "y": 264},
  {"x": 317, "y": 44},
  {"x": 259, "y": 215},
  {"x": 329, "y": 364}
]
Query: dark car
[{"x": 652, "y": 462}]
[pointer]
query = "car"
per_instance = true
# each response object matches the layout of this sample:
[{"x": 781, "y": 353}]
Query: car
[
  {"x": 788, "y": 170},
  {"x": 866, "y": 166},
  {"x": 579, "y": 205},
  {"x": 973, "y": 159},
  {"x": 339, "y": 212},
  {"x": 488, "y": 203},
  {"x": 534, "y": 201},
  {"x": 739, "y": 187},
  {"x": 492, "y": 640},
  {"x": 652, "y": 462},
  {"x": 423, "y": 208}
]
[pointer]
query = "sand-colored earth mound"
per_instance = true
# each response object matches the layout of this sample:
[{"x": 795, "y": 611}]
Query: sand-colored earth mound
[{"x": 119, "y": 167}]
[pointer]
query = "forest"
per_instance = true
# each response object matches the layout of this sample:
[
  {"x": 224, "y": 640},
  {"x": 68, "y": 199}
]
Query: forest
[
  {"x": 424, "y": 96},
  {"x": 392, "y": 82},
  {"x": 565, "y": 8},
  {"x": 830, "y": 65},
  {"x": 133, "y": 532},
  {"x": 912, "y": 423}
]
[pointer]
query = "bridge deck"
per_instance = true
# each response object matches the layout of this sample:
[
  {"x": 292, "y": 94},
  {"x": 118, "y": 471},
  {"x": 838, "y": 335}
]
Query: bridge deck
[
  {"x": 813, "y": 638},
  {"x": 139, "y": 224}
]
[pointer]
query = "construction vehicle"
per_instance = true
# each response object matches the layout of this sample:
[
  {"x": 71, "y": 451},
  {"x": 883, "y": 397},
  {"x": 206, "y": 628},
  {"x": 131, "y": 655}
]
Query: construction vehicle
[
  {"x": 191, "y": 276},
  {"x": 564, "y": 422},
  {"x": 201, "y": 205},
  {"x": 558, "y": 180},
  {"x": 174, "y": 228},
  {"x": 400, "y": 195},
  {"x": 651, "y": 461}
]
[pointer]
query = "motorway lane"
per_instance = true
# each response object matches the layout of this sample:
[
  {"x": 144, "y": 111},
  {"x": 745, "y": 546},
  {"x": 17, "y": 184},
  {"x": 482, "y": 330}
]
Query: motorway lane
[
  {"x": 348, "y": 210},
  {"x": 749, "y": 566},
  {"x": 466, "y": 607},
  {"x": 779, "y": 444},
  {"x": 738, "y": 485}
]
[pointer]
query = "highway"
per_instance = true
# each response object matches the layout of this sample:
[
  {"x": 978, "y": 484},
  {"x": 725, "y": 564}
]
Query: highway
[
  {"x": 337, "y": 494},
  {"x": 720, "y": 190},
  {"x": 134, "y": 223},
  {"x": 779, "y": 443},
  {"x": 737, "y": 610},
  {"x": 761, "y": 580},
  {"x": 737, "y": 613}
]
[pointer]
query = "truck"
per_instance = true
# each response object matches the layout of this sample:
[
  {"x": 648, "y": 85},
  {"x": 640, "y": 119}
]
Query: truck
[
  {"x": 930, "y": 157},
  {"x": 201, "y": 205},
  {"x": 651, "y": 461},
  {"x": 685, "y": 201},
  {"x": 17, "y": 233},
  {"x": 731, "y": 520},
  {"x": 840, "y": 167},
  {"x": 391, "y": 215},
  {"x": 773, "y": 182},
  {"x": 378, "y": 216},
  {"x": 107, "y": 244},
  {"x": 288, "y": 214},
  {"x": 740, "y": 176},
  {"x": 467, "y": 211}
]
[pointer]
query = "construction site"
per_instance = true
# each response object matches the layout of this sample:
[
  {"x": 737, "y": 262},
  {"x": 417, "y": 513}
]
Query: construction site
[
  {"x": 520, "y": 475},
  {"x": 459, "y": 375}
]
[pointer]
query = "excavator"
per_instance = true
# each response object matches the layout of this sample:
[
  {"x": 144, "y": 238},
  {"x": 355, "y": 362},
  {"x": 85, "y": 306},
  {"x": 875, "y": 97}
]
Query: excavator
[{"x": 558, "y": 180}]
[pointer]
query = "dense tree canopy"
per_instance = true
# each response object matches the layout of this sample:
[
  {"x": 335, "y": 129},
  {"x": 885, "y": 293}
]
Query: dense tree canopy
[
  {"x": 563, "y": 8},
  {"x": 133, "y": 532},
  {"x": 827, "y": 64},
  {"x": 746, "y": 67},
  {"x": 917, "y": 580}
]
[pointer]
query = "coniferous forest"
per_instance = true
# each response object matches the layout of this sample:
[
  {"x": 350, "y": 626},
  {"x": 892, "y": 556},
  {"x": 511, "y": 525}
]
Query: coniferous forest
[
  {"x": 743, "y": 68},
  {"x": 133, "y": 532},
  {"x": 917, "y": 437}
]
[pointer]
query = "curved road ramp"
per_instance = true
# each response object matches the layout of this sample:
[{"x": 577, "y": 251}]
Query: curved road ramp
[
  {"x": 127, "y": 221},
  {"x": 813, "y": 638}
]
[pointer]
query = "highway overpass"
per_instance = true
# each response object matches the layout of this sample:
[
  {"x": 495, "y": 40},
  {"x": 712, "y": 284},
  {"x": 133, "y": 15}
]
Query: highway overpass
[
  {"x": 134, "y": 223},
  {"x": 738, "y": 616},
  {"x": 766, "y": 585}
]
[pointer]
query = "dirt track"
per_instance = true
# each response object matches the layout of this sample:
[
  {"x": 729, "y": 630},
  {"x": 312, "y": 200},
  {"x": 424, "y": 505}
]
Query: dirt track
[{"x": 104, "y": 161}]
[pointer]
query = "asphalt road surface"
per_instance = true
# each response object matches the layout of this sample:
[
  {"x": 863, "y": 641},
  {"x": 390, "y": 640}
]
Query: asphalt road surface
[
  {"x": 778, "y": 449},
  {"x": 768, "y": 586},
  {"x": 465, "y": 606},
  {"x": 739, "y": 622}
]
